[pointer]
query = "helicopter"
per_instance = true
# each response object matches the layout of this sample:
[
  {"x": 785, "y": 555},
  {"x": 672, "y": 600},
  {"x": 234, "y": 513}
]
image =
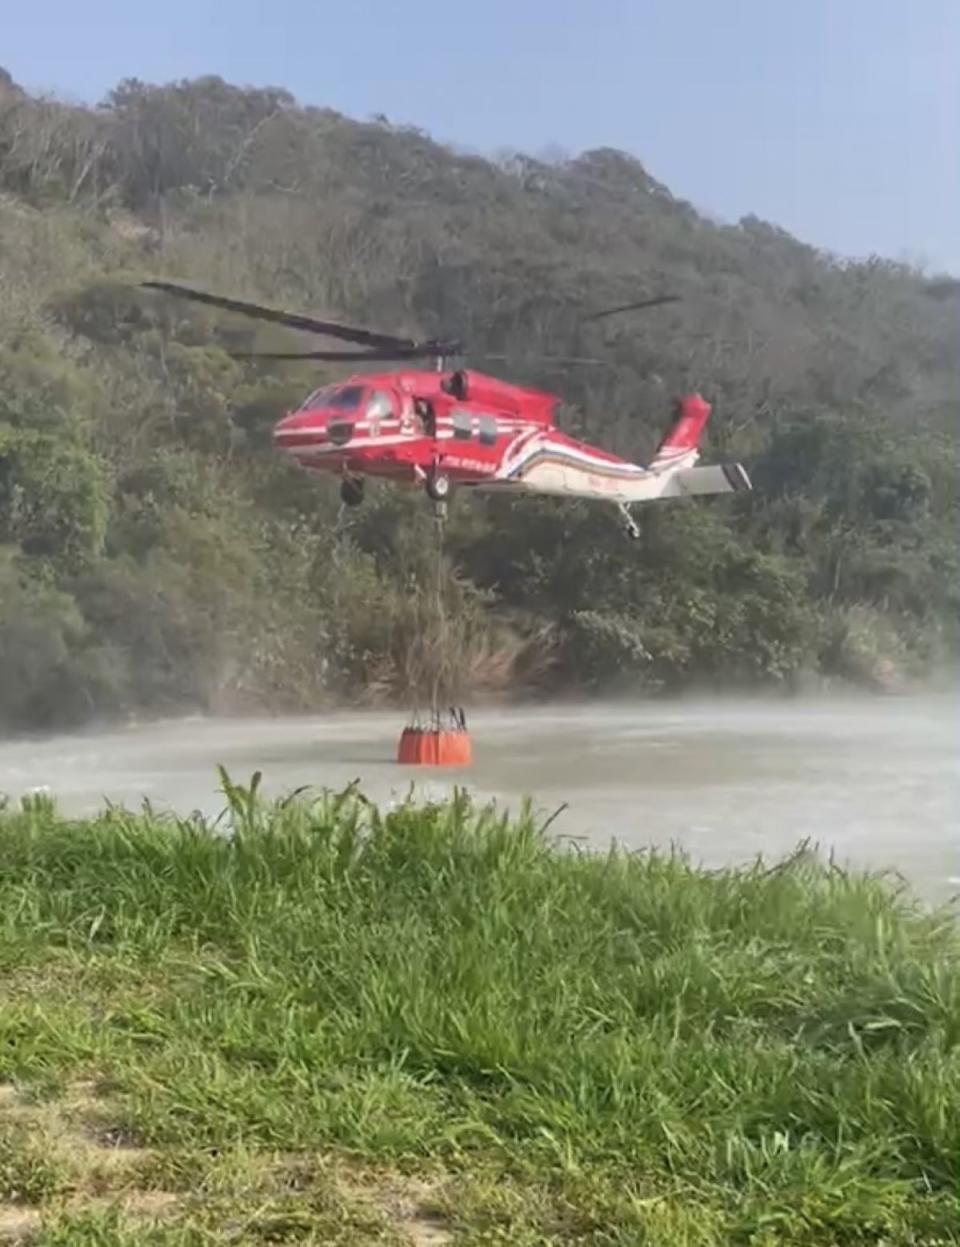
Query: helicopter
[{"x": 441, "y": 429}]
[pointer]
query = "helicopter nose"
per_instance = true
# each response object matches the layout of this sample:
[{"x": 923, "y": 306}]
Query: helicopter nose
[
  {"x": 296, "y": 429},
  {"x": 283, "y": 427}
]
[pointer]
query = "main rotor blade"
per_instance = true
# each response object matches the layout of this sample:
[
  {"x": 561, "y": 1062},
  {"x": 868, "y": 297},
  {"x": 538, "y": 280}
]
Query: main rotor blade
[
  {"x": 340, "y": 357},
  {"x": 293, "y": 320},
  {"x": 633, "y": 307},
  {"x": 542, "y": 359}
]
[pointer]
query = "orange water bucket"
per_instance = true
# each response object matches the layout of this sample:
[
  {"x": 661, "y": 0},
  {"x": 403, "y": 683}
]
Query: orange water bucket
[{"x": 434, "y": 747}]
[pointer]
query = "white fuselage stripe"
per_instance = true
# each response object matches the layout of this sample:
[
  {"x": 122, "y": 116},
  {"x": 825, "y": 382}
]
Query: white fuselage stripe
[{"x": 532, "y": 450}]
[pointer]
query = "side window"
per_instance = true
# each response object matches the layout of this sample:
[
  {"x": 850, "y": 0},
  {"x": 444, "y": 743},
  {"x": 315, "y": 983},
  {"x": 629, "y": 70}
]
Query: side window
[
  {"x": 462, "y": 425},
  {"x": 488, "y": 430},
  {"x": 380, "y": 406}
]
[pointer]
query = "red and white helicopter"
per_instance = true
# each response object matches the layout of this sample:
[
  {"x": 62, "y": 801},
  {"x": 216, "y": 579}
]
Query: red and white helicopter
[{"x": 439, "y": 428}]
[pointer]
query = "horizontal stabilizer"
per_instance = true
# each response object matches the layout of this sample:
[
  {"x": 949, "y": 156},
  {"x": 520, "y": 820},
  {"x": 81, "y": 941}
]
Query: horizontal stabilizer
[{"x": 720, "y": 478}]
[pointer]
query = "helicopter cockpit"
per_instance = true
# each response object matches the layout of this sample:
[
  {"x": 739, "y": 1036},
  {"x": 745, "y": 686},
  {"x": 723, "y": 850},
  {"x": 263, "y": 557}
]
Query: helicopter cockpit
[{"x": 374, "y": 404}]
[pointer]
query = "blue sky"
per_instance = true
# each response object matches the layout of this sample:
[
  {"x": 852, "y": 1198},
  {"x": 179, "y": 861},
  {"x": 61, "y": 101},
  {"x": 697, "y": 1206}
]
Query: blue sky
[{"x": 837, "y": 119}]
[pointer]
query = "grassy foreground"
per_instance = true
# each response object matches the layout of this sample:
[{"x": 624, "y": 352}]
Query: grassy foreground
[{"x": 427, "y": 1025}]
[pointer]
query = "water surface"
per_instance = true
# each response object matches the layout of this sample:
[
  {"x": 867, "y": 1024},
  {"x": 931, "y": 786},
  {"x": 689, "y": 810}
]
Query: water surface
[{"x": 875, "y": 781}]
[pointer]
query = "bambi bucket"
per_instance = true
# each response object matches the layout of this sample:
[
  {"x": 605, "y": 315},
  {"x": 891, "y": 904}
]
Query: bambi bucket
[{"x": 434, "y": 747}]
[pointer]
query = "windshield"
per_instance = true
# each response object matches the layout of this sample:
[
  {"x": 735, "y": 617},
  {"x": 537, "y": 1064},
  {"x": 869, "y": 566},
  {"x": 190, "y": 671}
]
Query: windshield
[
  {"x": 314, "y": 400},
  {"x": 343, "y": 398}
]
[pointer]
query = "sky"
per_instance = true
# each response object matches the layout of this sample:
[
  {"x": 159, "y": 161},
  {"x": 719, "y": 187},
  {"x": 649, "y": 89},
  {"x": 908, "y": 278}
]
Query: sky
[{"x": 838, "y": 120}]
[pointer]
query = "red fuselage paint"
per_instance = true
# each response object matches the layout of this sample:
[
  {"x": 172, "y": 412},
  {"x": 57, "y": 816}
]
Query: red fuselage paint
[{"x": 403, "y": 425}]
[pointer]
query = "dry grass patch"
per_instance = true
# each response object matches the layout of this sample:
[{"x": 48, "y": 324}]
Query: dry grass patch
[
  {"x": 411, "y": 1205},
  {"x": 63, "y": 1162},
  {"x": 18, "y": 1224},
  {"x": 62, "y": 1156}
]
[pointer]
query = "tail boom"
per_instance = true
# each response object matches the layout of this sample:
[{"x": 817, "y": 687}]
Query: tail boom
[
  {"x": 651, "y": 486},
  {"x": 626, "y": 482},
  {"x": 548, "y": 462}
]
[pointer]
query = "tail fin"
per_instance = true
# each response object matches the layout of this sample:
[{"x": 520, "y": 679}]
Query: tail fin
[{"x": 683, "y": 438}]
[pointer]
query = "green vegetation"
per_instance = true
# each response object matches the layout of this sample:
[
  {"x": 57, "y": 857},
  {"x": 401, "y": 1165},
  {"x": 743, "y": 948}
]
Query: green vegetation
[
  {"x": 340, "y": 1025},
  {"x": 154, "y": 554}
]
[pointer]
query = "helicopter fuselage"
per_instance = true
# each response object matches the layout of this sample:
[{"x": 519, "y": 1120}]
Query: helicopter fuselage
[{"x": 468, "y": 429}]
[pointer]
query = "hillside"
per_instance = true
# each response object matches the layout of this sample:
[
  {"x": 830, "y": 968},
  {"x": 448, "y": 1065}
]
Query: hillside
[{"x": 155, "y": 554}]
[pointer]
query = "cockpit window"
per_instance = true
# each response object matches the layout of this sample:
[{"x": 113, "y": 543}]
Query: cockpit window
[
  {"x": 314, "y": 400},
  {"x": 347, "y": 398},
  {"x": 342, "y": 398}
]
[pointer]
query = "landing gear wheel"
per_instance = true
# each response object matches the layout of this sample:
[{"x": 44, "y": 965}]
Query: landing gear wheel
[
  {"x": 438, "y": 487},
  {"x": 351, "y": 491}
]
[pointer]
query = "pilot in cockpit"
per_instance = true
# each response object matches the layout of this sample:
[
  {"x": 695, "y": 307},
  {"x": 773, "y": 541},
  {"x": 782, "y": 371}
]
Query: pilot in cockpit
[{"x": 427, "y": 417}]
